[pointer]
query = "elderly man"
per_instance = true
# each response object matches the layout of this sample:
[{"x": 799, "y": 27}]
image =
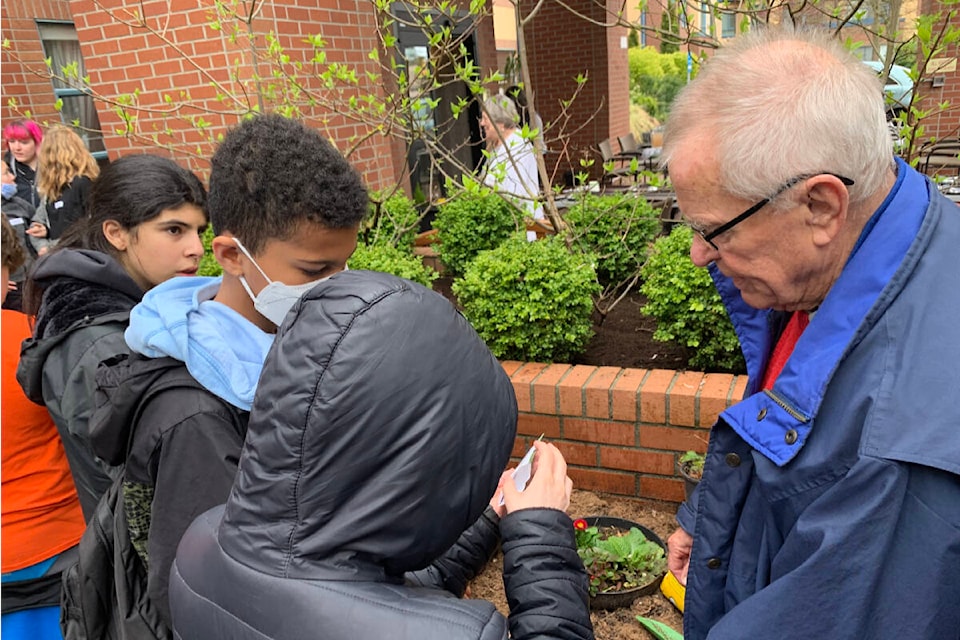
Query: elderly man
[
  {"x": 511, "y": 166},
  {"x": 830, "y": 501}
]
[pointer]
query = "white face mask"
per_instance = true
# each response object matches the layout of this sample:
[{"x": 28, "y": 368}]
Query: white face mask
[{"x": 276, "y": 299}]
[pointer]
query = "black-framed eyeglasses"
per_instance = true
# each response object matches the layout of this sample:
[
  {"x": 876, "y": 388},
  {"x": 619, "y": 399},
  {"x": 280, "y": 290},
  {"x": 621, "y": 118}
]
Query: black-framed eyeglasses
[{"x": 708, "y": 236}]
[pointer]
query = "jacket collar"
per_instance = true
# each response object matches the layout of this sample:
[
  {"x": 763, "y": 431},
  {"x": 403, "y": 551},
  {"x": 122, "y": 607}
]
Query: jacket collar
[{"x": 778, "y": 422}]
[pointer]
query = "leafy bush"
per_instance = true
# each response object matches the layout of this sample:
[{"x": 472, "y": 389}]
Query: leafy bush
[
  {"x": 687, "y": 307},
  {"x": 208, "y": 264},
  {"x": 471, "y": 222},
  {"x": 393, "y": 221},
  {"x": 617, "y": 229},
  {"x": 530, "y": 301},
  {"x": 389, "y": 259}
]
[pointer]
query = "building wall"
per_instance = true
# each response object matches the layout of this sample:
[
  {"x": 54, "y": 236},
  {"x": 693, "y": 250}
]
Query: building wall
[
  {"x": 943, "y": 123},
  {"x": 174, "y": 57},
  {"x": 620, "y": 430},
  {"x": 31, "y": 92},
  {"x": 561, "y": 46}
]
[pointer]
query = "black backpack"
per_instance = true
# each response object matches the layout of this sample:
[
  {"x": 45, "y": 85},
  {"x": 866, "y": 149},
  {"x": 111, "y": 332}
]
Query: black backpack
[{"x": 104, "y": 595}]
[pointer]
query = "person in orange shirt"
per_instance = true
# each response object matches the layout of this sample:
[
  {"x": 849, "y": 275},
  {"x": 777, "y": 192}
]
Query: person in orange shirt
[{"x": 41, "y": 517}]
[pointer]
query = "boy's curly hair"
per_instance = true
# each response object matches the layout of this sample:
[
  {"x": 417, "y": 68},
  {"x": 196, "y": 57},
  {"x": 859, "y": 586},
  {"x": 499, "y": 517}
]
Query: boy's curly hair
[
  {"x": 13, "y": 254},
  {"x": 272, "y": 174}
]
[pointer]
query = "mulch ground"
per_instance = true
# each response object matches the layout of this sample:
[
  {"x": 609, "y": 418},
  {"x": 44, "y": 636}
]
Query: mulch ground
[{"x": 619, "y": 624}]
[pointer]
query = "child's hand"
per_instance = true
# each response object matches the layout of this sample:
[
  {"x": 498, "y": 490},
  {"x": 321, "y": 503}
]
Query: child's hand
[
  {"x": 549, "y": 487},
  {"x": 495, "y": 502},
  {"x": 37, "y": 230}
]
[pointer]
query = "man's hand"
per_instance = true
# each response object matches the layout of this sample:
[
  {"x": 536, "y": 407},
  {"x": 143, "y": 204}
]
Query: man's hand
[
  {"x": 549, "y": 487},
  {"x": 679, "y": 545}
]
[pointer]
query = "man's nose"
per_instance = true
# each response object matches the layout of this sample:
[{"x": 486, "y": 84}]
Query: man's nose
[{"x": 702, "y": 252}]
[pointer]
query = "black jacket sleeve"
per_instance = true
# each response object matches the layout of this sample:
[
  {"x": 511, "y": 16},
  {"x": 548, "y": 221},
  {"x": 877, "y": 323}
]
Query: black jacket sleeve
[
  {"x": 196, "y": 463},
  {"x": 544, "y": 579},
  {"x": 461, "y": 563}
]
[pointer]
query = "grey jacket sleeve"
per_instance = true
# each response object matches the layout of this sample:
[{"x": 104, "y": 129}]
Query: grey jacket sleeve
[
  {"x": 544, "y": 579},
  {"x": 454, "y": 570}
]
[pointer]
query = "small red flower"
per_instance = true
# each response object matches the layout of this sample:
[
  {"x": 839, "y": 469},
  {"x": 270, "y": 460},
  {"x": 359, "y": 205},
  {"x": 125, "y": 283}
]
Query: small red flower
[{"x": 580, "y": 524}]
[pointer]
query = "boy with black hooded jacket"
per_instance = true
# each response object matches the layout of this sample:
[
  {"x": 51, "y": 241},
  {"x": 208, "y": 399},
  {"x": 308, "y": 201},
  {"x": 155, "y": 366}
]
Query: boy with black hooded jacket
[{"x": 286, "y": 208}]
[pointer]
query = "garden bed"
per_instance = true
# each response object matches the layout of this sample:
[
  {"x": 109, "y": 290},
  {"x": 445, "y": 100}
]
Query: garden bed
[
  {"x": 624, "y": 338},
  {"x": 619, "y": 624}
]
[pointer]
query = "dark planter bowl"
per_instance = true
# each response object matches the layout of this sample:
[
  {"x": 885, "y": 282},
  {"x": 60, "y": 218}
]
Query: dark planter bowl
[
  {"x": 689, "y": 482},
  {"x": 618, "y": 599}
]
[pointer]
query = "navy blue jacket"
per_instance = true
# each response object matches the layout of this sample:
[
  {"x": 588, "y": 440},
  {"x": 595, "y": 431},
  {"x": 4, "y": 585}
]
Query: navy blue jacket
[{"x": 830, "y": 505}]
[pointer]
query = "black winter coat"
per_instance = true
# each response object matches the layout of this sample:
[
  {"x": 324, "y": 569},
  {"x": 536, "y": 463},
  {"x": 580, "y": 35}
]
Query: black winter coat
[
  {"x": 69, "y": 207},
  {"x": 87, "y": 297},
  {"x": 378, "y": 434}
]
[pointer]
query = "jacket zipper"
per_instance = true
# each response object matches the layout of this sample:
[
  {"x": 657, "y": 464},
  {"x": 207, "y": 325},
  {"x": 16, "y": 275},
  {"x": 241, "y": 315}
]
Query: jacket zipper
[{"x": 786, "y": 407}]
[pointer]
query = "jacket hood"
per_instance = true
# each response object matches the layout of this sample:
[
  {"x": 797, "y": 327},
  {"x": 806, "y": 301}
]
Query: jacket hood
[
  {"x": 378, "y": 434},
  {"x": 77, "y": 284},
  {"x": 81, "y": 288},
  {"x": 223, "y": 350}
]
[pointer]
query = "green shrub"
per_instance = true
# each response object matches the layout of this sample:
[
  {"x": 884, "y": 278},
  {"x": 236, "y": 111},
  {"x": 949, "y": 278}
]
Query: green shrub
[
  {"x": 617, "y": 229},
  {"x": 530, "y": 301},
  {"x": 687, "y": 307},
  {"x": 393, "y": 221},
  {"x": 471, "y": 222},
  {"x": 388, "y": 259},
  {"x": 208, "y": 264}
]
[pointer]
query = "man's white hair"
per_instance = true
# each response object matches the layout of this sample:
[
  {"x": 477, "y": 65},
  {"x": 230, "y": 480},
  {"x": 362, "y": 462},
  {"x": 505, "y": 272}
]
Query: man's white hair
[
  {"x": 778, "y": 103},
  {"x": 501, "y": 111}
]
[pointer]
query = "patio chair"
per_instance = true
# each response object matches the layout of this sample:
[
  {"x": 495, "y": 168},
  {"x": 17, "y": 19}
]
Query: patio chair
[
  {"x": 642, "y": 152},
  {"x": 617, "y": 173},
  {"x": 939, "y": 158}
]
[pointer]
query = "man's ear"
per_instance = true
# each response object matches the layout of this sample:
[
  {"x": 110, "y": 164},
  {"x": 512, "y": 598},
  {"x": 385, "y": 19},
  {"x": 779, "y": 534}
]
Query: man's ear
[
  {"x": 116, "y": 235},
  {"x": 227, "y": 254},
  {"x": 828, "y": 203}
]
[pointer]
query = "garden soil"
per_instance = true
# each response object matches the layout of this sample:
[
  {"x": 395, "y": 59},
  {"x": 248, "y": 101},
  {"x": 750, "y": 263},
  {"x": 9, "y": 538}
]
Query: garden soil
[{"x": 619, "y": 624}]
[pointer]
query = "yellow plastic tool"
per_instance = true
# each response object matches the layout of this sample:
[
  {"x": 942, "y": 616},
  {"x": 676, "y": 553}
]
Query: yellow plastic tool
[{"x": 673, "y": 590}]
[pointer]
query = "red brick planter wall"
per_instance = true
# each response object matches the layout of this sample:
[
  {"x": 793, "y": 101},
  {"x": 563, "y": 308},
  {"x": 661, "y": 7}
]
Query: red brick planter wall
[{"x": 620, "y": 430}]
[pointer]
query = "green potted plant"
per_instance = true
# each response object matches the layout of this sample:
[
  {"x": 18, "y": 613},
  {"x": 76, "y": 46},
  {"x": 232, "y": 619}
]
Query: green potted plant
[
  {"x": 624, "y": 560},
  {"x": 690, "y": 465}
]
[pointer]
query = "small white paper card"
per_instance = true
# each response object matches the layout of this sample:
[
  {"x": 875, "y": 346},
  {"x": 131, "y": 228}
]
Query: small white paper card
[{"x": 521, "y": 475}]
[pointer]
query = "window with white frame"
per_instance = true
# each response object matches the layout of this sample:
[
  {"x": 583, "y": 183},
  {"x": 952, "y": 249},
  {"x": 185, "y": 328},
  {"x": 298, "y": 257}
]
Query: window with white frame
[{"x": 62, "y": 48}]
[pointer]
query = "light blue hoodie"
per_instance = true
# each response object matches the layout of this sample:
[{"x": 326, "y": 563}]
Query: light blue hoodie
[{"x": 223, "y": 350}]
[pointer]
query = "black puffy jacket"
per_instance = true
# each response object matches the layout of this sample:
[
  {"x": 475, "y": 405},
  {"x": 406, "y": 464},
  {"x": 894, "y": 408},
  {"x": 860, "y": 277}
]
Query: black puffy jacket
[{"x": 378, "y": 434}]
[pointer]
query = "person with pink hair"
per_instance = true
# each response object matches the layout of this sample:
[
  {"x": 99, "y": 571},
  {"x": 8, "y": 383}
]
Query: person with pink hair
[{"x": 23, "y": 138}]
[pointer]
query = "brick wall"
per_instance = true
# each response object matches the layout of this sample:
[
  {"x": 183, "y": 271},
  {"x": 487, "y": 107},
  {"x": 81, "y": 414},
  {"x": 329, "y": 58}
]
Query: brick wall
[
  {"x": 32, "y": 92},
  {"x": 945, "y": 123},
  {"x": 620, "y": 430},
  {"x": 561, "y": 46},
  {"x": 175, "y": 55},
  {"x": 177, "y": 52}
]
